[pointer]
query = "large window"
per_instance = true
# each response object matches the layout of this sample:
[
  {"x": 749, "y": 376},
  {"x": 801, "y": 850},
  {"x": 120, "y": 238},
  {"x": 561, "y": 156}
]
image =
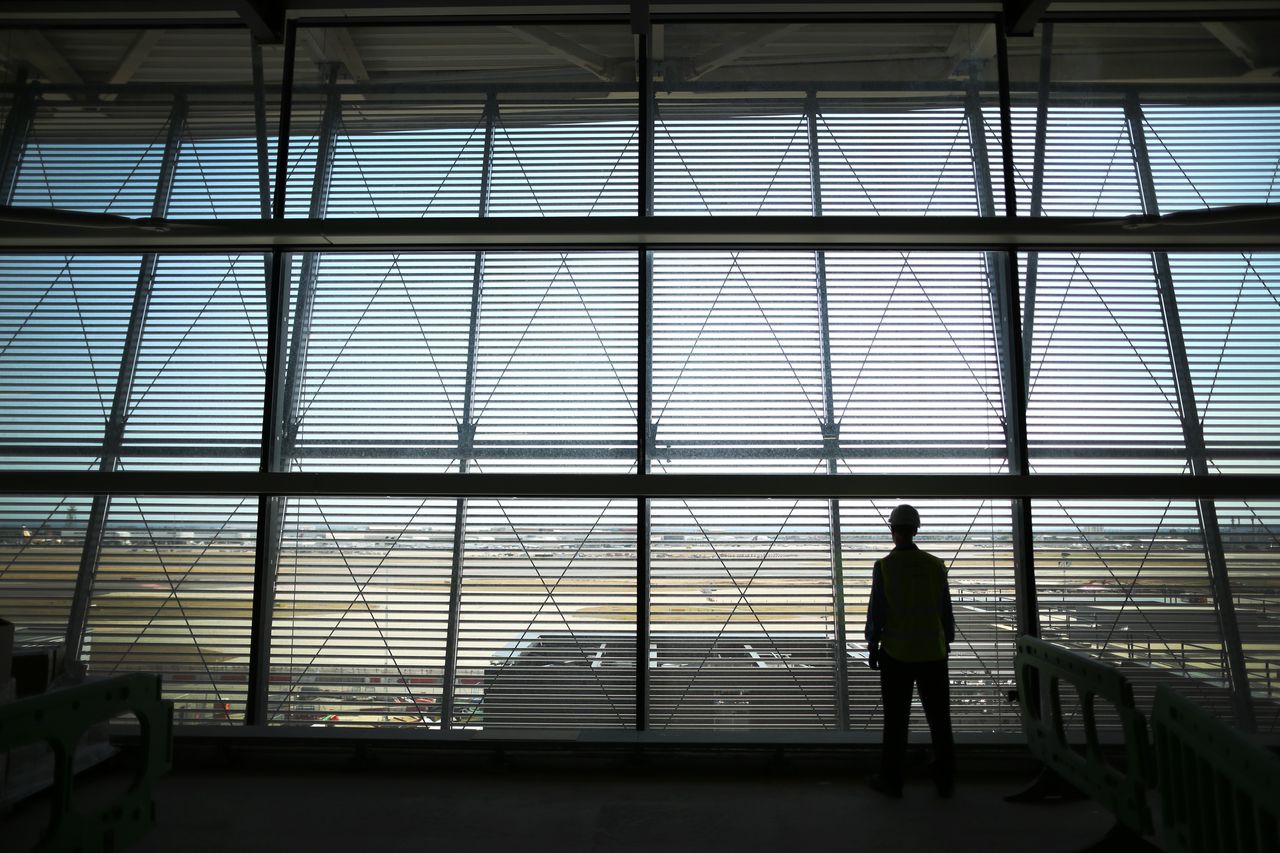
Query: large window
[{"x": 546, "y": 600}]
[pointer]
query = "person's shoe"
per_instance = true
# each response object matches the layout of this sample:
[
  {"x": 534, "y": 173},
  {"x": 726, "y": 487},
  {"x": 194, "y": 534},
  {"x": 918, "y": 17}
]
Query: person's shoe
[{"x": 882, "y": 786}]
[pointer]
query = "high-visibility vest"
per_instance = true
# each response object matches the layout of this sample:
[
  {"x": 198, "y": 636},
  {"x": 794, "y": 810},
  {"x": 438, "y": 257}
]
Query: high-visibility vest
[{"x": 914, "y": 586}]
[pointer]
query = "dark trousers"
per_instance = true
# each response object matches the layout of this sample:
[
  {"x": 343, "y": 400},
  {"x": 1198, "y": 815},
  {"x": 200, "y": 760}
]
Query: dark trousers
[{"x": 896, "y": 680}]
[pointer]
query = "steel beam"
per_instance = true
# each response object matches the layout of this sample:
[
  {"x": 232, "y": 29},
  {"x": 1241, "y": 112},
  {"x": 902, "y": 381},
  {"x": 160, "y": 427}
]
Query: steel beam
[
  {"x": 1037, "y": 189},
  {"x": 1243, "y": 228},
  {"x": 646, "y": 428},
  {"x": 1192, "y": 429},
  {"x": 271, "y": 507},
  {"x": 829, "y": 428},
  {"x": 260, "y": 128},
  {"x": 1118, "y": 487},
  {"x": 1237, "y": 228},
  {"x": 113, "y": 437},
  {"x": 14, "y": 137},
  {"x": 1013, "y": 375},
  {"x": 467, "y": 425},
  {"x": 300, "y": 337},
  {"x": 1021, "y": 16},
  {"x": 264, "y": 18}
]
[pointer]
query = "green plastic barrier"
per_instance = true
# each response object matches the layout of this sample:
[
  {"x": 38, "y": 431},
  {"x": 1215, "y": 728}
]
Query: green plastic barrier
[
  {"x": 1219, "y": 790},
  {"x": 59, "y": 718},
  {"x": 1041, "y": 669}
]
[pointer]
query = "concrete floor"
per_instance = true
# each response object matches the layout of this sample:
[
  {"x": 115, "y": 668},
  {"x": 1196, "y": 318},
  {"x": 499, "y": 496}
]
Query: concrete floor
[{"x": 329, "y": 806}]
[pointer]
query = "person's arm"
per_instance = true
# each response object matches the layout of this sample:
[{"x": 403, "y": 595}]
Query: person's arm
[
  {"x": 876, "y": 611},
  {"x": 948, "y": 615}
]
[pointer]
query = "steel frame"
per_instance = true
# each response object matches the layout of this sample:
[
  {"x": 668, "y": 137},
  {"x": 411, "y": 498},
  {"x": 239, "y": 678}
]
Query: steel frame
[
  {"x": 467, "y": 426},
  {"x": 117, "y": 420},
  {"x": 1192, "y": 429},
  {"x": 1000, "y": 237}
]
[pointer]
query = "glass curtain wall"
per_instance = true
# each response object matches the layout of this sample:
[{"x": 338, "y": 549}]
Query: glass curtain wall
[{"x": 525, "y": 612}]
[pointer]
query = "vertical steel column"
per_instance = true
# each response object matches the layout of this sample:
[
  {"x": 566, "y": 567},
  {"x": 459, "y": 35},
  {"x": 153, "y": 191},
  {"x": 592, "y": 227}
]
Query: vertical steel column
[
  {"x": 467, "y": 427},
  {"x": 270, "y": 507},
  {"x": 1003, "y": 292},
  {"x": 310, "y": 273},
  {"x": 113, "y": 438},
  {"x": 13, "y": 139},
  {"x": 646, "y": 430},
  {"x": 830, "y": 429},
  {"x": 1037, "y": 188},
  {"x": 1192, "y": 429},
  {"x": 260, "y": 127}
]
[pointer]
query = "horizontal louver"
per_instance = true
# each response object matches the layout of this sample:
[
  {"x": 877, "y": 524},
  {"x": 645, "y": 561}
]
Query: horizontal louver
[
  {"x": 64, "y": 324},
  {"x": 173, "y": 594},
  {"x": 386, "y": 361},
  {"x": 789, "y": 361},
  {"x": 40, "y": 544},
  {"x": 1129, "y": 584},
  {"x": 1101, "y": 391},
  {"x": 361, "y": 612},
  {"x": 741, "y": 616},
  {"x": 1251, "y": 540},
  {"x": 973, "y": 539},
  {"x": 1231, "y": 321}
]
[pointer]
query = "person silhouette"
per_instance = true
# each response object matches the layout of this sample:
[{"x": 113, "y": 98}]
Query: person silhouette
[{"x": 910, "y": 629}]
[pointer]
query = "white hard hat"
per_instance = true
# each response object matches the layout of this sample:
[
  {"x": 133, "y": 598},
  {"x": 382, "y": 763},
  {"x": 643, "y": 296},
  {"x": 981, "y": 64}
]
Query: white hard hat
[{"x": 904, "y": 515}]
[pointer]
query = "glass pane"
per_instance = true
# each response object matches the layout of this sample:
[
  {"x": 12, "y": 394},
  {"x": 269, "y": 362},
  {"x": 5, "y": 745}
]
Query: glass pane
[
  {"x": 64, "y": 320},
  {"x": 739, "y": 381},
  {"x": 741, "y": 616},
  {"x": 361, "y": 612},
  {"x": 465, "y": 121},
  {"x": 1230, "y": 317},
  {"x": 111, "y": 100},
  {"x": 805, "y": 119},
  {"x": 1101, "y": 389},
  {"x": 40, "y": 543},
  {"x": 547, "y": 633},
  {"x": 1089, "y": 99},
  {"x": 1251, "y": 539},
  {"x": 385, "y": 380},
  {"x": 974, "y": 539},
  {"x": 173, "y": 594},
  {"x": 1129, "y": 584}
]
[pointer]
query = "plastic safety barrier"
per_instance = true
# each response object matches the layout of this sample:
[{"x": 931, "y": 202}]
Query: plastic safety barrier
[
  {"x": 59, "y": 718},
  {"x": 1219, "y": 790},
  {"x": 1041, "y": 669}
]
